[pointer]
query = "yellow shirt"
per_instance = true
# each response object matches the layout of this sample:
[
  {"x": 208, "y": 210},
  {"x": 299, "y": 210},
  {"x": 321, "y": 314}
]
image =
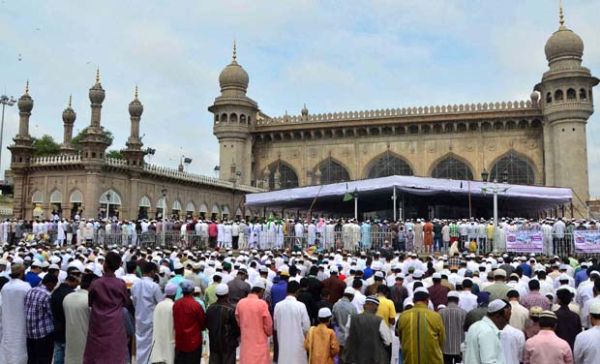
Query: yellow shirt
[
  {"x": 386, "y": 310},
  {"x": 321, "y": 344}
]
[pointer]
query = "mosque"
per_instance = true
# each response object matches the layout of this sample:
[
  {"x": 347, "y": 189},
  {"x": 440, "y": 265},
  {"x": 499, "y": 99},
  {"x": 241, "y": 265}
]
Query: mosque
[{"x": 540, "y": 141}]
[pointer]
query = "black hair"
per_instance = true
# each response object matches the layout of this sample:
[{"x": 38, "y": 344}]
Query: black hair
[
  {"x": 50, "y": 279},
  {"x": 150, "y": 267},
  {"x": 112, "y": 261},
  {"x": 293, "y": 287},
  {"x": 534, "y": 285},
  {"x": 513, "y": 293},
  {"x": 547, "y": 322}
]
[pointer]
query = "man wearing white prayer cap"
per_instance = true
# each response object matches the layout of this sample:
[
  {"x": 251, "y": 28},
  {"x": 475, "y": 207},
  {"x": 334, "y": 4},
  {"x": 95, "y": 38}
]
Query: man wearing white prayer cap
[
  {"x": 223, "y": 330},
  {"x": 163, "y": 347},
  {"x": 482, "y": 342}
]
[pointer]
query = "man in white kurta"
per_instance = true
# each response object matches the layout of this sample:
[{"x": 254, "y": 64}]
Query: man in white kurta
[
  {"x": 13, "y": 348},
  {"x": 77, "y": 315},
  {"x": 291, "y": 323},
  {"x": 145, "y": 295},
  {"x": 163, "y": 332}
]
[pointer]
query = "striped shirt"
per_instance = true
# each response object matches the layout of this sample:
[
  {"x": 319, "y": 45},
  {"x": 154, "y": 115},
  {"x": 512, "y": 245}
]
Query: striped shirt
[
  {"x": 38, "y": 315},
  {"x": 454, "y": 319}
]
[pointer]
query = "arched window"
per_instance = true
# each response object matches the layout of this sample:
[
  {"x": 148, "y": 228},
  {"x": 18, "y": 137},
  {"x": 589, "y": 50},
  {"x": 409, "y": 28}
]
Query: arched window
[
  {"x": 233, "y": 118},
  {"x": 76, "y": 197},
  {"x": 37, "y": 197},
  {"x": 332, "y": 172},
  {"x": 571, "y": 94},
  {"x": 287, "y": 177},
  {"x": 582, "y": 94},
  {"x": 223, "y": 118},
  {"x": 558, "y": 95},
  {"x": 517, "y": 169},
  {"x": 389, "y": 165},
  {"x": 145, "y": 202},
  {"x": 243, "y": 119},
  {"x": 56, "y": 197},
  {"x": 549, "y": 98},
  {"x": 452, "y": 168}
]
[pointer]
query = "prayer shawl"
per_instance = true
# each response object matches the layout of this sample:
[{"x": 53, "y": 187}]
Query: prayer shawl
[{"x": 13, "y": 348}]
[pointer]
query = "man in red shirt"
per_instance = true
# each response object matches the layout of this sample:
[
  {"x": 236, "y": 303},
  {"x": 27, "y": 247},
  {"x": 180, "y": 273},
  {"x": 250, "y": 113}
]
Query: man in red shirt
[
  {"x": 212, "y": 234},
  {"x": 189, "y": 321}
]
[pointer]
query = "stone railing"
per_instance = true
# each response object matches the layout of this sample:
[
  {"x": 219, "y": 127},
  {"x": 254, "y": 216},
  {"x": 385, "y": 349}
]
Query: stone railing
[
  {"x": 401, "y": 112},
  {"x": 115, "y": 162},
  {"x": 53, "y": 160},
  {"x": 196, "y": 178}
]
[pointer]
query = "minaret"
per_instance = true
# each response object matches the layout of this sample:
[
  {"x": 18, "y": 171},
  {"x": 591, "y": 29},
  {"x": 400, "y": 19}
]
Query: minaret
[
  {"x": 68, "y": 117},
  {"x": 133, "y": 153},
  {"x": 21, "y": 154},
  {"x": 234, "y": 115},
  {"x": 94, "y": 142},
  {"x": 566, "y": 101}
]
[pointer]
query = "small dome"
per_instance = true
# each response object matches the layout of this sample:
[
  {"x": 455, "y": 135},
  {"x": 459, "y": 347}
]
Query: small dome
[
  {"x": 535, "y": 96},
  {"x": 234, "y": 76},
  {"x": 97, "y": 93},
  {"x": 69, "y": 115},
  {"x": 135, "y": 107},
  {"x": 25, "y": 103},
  {"x": 304, "y": 111},
  {"x": 563, "y": 43}
]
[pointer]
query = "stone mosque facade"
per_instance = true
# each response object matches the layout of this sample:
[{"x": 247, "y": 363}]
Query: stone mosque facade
[{"x": 540, "y": 141}]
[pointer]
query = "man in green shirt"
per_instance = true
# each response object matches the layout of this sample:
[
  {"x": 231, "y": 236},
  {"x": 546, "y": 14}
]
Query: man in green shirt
[{"x": 210, "y": 296}]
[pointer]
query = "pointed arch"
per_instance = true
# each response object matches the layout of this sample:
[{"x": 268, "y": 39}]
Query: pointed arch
[
  {"x": 110, "y": 196},
  {"x": 56, "y": 197},
  {"x": 145, "y": 202},
  {"x": 37, "y": 197},
  {"x": 216, "y": 209},
  {"x": 203, "y": 208},
  {"x": 161, "y": 203},
  {"x": 190, "y": 207},
  {"x": 76, "y": 196},
  {"x": 452, "y": 166},
  {"x": 386, "y": 164},
  {"x": 176, "y": 205},
  {"x": 332, "y": 171},
  {"x": 225, "y": 210},
  {"x": 519, "y": 169},
  {"x": 288, "y": 178}
]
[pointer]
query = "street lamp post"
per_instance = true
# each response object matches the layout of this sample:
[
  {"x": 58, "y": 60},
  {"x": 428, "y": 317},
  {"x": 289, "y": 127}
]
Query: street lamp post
[{"x": 5, "y": 101}]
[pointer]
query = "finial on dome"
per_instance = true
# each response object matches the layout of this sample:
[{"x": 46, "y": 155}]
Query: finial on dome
[
  {"x": 98, "y": 75},
  {"x": 70, "y": 99},
  {"x": 27, "y": 87},
  {"x": 234, "y": 56},
  {"x": 136, "y": 92},
  {"x": 561, "y": 14}
]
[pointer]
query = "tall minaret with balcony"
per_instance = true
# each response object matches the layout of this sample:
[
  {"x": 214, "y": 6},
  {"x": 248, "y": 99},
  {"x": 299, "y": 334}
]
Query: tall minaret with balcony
[
  {"x": 234, "y": 116},
  {"x": 566, "y": 95},
  {"x": 134, "y": 153},
  {"x": 94, "y": 142},
  {"x": 68, "y": 117}
]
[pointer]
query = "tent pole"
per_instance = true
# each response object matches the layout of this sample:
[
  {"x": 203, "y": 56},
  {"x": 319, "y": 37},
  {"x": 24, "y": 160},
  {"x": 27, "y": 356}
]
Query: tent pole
[{"x": 395, "y": 208}]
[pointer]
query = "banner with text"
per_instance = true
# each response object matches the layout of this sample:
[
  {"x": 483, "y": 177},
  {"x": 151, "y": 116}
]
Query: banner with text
[
  {"x": 525, "y": 242},
  {"x": 587, "y": 241}
]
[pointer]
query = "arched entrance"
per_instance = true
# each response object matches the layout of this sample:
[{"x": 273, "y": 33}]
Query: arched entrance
[
  {"x": 56, "y": 203},
  {"x": 37, "y": 199},
  {"x": 144, "y": 207},
  {"x": 76, "y": 201},
  {"x": 110, "y": 204},
  {"x": 176, "y": 209},
  {"x": 161, "y": 207},
  {"x": 190, "y": 209}
]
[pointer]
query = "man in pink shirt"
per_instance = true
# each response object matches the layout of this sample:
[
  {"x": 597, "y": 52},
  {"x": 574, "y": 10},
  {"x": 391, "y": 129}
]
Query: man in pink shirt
[
  {"x": 546, "y": 347},
  {"x": 256, "y": 325}
]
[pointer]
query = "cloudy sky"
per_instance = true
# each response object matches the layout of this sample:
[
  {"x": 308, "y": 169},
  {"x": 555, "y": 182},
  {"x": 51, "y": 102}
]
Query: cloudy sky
[{"x": 331, "y": 55}]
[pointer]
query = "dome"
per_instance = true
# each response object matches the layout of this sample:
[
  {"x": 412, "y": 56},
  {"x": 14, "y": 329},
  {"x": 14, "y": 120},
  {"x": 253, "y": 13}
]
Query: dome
[
  {"x": 97, "y": 93},
  {"x": 135, "y": 107},
  {"x": 563, "y": 43},
  {"x": 304, "y": 111},
  {"x": 25, "y": 103},
  {"x": 69, "y": 114},
  {"x": 234, "y": 76}
]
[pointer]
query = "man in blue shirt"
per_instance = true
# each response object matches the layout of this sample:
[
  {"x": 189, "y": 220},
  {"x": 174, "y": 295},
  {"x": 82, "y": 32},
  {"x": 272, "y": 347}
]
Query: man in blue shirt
[{"x": 33, "y": 276}]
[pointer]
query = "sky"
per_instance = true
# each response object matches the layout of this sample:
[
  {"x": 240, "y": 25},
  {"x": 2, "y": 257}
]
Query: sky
[{"x": 332, "y": 55}]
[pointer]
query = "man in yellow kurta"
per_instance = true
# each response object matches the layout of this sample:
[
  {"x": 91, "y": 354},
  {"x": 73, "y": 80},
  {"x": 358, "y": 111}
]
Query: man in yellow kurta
[
  {"x": 321, "y": 343},
  {"x": 421, "y": 332}
]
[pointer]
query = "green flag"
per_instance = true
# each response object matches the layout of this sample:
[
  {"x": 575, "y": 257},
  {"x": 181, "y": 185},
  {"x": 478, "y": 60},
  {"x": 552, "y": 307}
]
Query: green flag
[{"x": 348, "y": 197}]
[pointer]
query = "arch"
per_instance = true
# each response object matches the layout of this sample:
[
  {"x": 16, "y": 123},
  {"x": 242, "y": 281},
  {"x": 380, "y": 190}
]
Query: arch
[
  {"x": 288, "y": 178},
  {"x": 388, "y": 164},
  {"x": 176, "y": 205},
  {"x": 110, "y": 196},
  {"x": 461, "y": 127},
  {"x": 523, "y": 124},
  {"x": 519, "y": 168},
  {"x": 203, "y": 208},
  {"x": 558, "y": 95},
  {"x": 486, "y": 126},
  {"x": 243, "y": 119},
  {"x": 56, "y": 197},
  {"x": 161, "y": 203},
  {"x": 582, "y": 94},
  {"x": 332, "y": 171},
  {"x": 190, "y": 206},
  {"x": 215, "y": 209},
  {"x": 511, "y": 124},
  {"x": 233, "y": 117},
  {"x": 452, "y": 167},
  {"x": 145, "y": 202},
  {"x": 37, "y": 197},
  {"x": 76, "y": 196},
  {"x": 549, "y": 98},
  {"x": 223, "y": 117},
  {"x": 571, "y": 94},
  {"x": 238, "y": 212},
  {"x": 225, "y": 210}
]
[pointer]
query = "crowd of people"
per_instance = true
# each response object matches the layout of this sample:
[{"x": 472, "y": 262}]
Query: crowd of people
[
  {"x": 63, "y": 303},
  {"x": 420, "y": 235}
]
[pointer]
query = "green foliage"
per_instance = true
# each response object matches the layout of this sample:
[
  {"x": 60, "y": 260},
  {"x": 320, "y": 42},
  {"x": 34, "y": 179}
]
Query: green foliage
[
  {"x": 115, "y": 154},
  {"x": 45, "y": 146},
  {"x": 76, "y": 141}
]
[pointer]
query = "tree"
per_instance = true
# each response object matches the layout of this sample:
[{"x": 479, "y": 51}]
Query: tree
[
  {"x": 115, "y": 154},
  {"x": 45, "y": 146},
  {"x": 76, "y": 141}
]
